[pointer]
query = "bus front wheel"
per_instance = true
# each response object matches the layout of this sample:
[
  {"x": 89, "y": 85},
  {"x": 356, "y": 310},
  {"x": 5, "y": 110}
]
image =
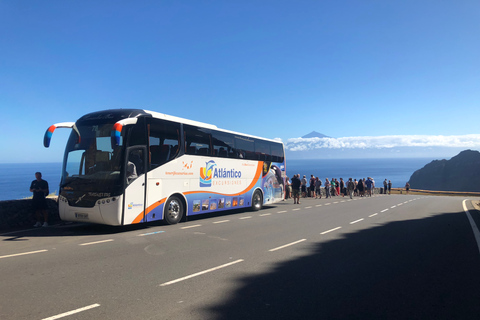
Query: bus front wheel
[
  {"x": 174, "y": 210},
  {"x": 257, "y": 200}
]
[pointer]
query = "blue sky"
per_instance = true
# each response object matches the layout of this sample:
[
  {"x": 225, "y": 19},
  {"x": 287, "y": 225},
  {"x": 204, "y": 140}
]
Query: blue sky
[{"x": 276, "y": 69}]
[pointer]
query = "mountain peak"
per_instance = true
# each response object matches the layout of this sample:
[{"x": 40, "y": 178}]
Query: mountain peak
[{"x": 315, "y": 134}]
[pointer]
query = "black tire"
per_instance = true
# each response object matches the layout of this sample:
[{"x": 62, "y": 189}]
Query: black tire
[
  {"x": 257, "y": 200},
  {"x": 174, "y": 210}
]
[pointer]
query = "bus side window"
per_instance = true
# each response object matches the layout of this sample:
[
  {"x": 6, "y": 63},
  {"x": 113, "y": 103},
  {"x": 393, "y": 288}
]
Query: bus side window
[
  {"x": 245, "y": 147},
  {"x": 197, "y": 141},
  {"x": 277, "y": 152},
  {"x": 223, "y": 143},
  {"x": 163, "y": 141},
  {"x": 262, "y": 150}
]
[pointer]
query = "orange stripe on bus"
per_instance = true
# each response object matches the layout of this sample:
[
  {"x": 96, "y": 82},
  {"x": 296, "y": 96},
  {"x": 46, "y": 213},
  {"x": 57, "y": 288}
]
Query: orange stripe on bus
[
  {"x": 139, "y": 218},
  {"x": 258, "y": 173}
]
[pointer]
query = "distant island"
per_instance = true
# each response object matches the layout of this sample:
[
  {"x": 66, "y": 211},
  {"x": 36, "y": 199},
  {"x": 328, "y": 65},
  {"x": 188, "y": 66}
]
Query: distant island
[
  {"x": 460, "y": 173},
  {"x": 315, "y": 134}
]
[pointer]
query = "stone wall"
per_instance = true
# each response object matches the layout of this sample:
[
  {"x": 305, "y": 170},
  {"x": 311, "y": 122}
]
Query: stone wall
[{"x": 18, "y": 214}]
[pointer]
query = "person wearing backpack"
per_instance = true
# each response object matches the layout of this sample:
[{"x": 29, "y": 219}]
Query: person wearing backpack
[
  {"x": 350, "y": 187},
  {"x": 318, "y": 188}
]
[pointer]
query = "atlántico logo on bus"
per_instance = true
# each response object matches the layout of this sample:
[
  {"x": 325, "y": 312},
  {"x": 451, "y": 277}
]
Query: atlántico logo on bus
[{"x": 206, "y": 174}]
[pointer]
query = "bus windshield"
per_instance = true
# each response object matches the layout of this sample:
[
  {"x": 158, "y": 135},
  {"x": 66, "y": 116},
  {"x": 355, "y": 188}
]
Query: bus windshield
[{"x": 91, "y": 161}]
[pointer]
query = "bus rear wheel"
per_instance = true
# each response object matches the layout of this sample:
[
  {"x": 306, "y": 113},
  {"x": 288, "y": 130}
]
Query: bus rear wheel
[
  {"x": 174, "y": 210},
  {"x": 257, "y": 200}
]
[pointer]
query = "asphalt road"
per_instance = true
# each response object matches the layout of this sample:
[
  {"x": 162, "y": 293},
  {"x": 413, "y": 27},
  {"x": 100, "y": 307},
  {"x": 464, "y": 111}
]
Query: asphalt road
[{"x": 385, "y": 257}]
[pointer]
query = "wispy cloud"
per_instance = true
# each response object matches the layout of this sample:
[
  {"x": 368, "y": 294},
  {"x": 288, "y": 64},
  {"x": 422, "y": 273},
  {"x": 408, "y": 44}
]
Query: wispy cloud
[{"x": 304, "y": 144}]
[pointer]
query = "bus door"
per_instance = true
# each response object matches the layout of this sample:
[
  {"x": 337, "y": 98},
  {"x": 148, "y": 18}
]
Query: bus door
[{"x": 135, "y": 181}]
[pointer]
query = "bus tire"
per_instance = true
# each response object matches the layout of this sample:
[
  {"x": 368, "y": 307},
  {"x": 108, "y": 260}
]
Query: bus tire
[
  {"x": 174, "y": 210},
  {"x": 257, "y": 200}
]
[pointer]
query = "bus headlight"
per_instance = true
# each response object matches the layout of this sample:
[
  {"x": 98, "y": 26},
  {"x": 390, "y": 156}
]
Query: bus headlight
[{"x": 106, "y": 201}]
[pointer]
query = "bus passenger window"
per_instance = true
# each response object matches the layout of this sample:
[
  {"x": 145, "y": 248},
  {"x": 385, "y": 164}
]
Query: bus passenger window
[
  {"x": 163, "y": 140},
  {"x": 245, "y": 147},
  {"x": 223, "y": 144},
  {"x": 197, "y": 141}
]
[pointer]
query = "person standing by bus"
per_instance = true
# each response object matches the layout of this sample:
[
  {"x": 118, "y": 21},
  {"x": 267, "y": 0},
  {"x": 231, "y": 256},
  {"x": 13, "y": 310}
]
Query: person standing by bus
[
  {"x": 318, "y": 188},
  {"x": 39, "y": 187},
  {"x": 350, "y": 187},
  {"x": 288, "y": 188},
  {"x": 312, "y": 187},
  {"x": 369, "y": 185},
  {"x": 296, "y": 189},
  {"x": 304, "y": 186},
  {"x": 327, "y": 189}
]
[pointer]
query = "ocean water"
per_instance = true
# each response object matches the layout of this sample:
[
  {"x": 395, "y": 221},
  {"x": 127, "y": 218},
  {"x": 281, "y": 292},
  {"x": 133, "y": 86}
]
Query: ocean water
[
  {"x": 15, "y": 179},
  {"x": 396, "y": 170}
]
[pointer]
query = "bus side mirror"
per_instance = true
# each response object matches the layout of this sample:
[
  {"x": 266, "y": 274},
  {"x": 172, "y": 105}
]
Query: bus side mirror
[
  {"x": 116, "y": 134},
  {"x": 48, "y": 134}
]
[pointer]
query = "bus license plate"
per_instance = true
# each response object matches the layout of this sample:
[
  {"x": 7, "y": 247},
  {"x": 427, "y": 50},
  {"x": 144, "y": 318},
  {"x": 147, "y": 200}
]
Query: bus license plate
[{"x": 81, "y": 215}]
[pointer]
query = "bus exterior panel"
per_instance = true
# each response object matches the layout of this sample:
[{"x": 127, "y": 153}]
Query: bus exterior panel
[
  {"x": 106, "y": 211},
  {"x": 209, "y": 185},
  {"x": 209, "y": 169}
]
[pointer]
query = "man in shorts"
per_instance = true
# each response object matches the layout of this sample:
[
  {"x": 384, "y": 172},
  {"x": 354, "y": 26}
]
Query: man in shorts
[
  {"x": 296, "y": 189},
  {"x": 39, "y": 187}
]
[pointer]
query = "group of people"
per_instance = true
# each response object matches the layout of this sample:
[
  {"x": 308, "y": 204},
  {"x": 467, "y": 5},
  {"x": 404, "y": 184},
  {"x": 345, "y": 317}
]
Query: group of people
[{"x": 301, "y": 187}]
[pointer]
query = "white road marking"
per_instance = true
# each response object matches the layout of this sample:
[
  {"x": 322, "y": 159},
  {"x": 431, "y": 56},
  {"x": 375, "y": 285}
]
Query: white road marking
[
  {"x": 194, "y": 226},
  {"x": 318, "y": 205},
  {"x": 287, "y": 245},
  {"x": 476, "y": 233},
  {"x": 221, "y": 221},
  {"x": 95, "y": 242},
  {"x": 331, "y": 230},
  {"x": 308, "y": 207},
  {"x": 242, "y": 218},
  {"x": 282, "y": 211},
  {"x": 22, "y": 254},
  {"x": 372, "y": 215},
  {"x": 265, "y": 214},
  {"x": 327, "y": 204},
  {"x": 356, "y": 221},
  {"x": 393, "y": 207},
  {"x": 69, "y": 313},
  {"x": 200, "y": 273},
  {"x": 335, "y": 202},
  {"x": 384, "y": 210},
  {"x": 296, "y": 209}
]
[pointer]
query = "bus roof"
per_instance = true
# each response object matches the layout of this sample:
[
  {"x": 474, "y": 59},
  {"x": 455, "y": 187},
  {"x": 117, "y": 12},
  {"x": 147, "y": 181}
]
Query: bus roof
[
  {"x": 135, "y": 113},
  {"x": 201, "y": 124}
]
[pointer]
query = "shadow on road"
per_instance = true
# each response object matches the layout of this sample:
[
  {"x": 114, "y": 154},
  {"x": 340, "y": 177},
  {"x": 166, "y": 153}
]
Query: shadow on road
[
  {"x": 415, "y": 269},
  {"x": 85, "y": 229}
]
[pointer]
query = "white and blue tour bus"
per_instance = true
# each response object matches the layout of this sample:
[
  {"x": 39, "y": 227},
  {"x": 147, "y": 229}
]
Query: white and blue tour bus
[{"x": 128, "y": 166}]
